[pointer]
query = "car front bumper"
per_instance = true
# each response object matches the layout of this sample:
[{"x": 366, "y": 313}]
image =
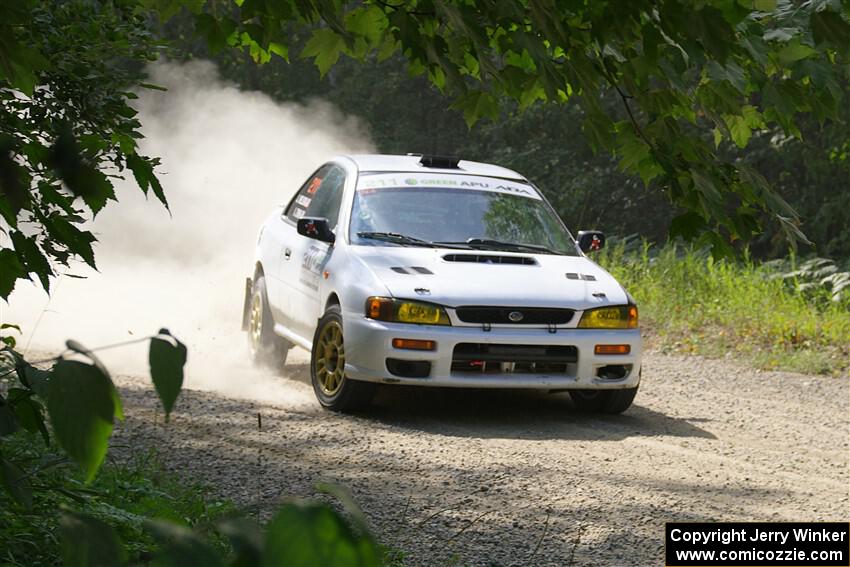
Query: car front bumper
[{"x": 368, "y": 345}]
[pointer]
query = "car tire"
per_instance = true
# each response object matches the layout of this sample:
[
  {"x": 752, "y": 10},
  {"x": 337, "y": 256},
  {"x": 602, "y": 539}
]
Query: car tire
[
  {"x": 266, "y": 348},
  {"x": 333, "y": 389},
  {"x": 603, "y": 401}
]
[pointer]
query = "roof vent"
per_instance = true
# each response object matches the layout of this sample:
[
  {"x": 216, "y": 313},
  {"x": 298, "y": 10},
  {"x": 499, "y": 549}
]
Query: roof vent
[
  {"x": 441, "y": 162},
  {"x": 490, "y": 259}
]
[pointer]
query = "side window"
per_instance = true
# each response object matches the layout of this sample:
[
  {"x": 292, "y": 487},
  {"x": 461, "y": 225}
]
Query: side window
[{"x": 320, "y": 196}]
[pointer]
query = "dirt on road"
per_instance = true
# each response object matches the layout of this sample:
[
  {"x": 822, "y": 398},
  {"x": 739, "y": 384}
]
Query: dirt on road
[{"x": 511, "y": 478}]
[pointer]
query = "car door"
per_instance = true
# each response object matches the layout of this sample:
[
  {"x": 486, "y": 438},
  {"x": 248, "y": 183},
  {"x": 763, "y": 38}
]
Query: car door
[{"x": 321, "y": 197}]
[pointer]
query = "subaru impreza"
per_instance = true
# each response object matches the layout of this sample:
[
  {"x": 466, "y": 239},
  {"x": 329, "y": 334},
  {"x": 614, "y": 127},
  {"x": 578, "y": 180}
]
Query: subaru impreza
[{"x": 433, "y": 271}]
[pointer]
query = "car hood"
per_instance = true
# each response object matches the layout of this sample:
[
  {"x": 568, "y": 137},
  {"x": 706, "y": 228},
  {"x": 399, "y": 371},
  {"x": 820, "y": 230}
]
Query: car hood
[{"x": 547, "y": 280}]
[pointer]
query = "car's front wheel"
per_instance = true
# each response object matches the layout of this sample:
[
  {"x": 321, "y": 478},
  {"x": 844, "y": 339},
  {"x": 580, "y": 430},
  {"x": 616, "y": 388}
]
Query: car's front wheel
[
  {"x": 603, "y": 401},
  {"x": 327, "y": 367},
  {"x": 267, "y": 349}
]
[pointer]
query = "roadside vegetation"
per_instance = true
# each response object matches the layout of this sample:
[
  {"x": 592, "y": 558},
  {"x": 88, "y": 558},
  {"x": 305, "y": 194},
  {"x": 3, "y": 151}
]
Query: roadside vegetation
[
  {"x": 63, "y": 503},
  {"x": 786, "y": 314},
  {"x": 125, "y": 495}
]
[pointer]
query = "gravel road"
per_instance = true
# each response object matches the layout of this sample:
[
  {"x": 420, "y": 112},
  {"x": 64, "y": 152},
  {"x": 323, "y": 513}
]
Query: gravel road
[{"x": 507, "y": 478}]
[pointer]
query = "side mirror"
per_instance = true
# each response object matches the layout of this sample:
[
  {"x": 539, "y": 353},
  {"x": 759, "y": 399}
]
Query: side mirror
[
  {"x": 316, "y": 228},
  {"x": 590, "y": 240}
]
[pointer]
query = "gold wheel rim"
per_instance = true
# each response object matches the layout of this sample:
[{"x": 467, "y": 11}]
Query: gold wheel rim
[
  {"x": 256, "y": 325},
  {"x": 330, "y": 359}
]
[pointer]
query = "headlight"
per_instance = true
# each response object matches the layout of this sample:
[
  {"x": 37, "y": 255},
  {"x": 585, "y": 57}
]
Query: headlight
[
  {"x": 403, "y": 311},
  {"x": 620, "y": 317}
]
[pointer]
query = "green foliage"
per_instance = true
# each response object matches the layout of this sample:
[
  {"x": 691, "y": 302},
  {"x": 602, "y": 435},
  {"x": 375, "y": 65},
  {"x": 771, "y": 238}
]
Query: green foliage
[
  {"x": 309, "y": 533},
  {"x": 688, "y": 80},
  {"x": 67, "y": 72},
  {"x": 167, "y": 358},
  {"x": 81, "y": 404},
  {"x": 70, "y": 517},
  {"x": 692, "y": 303},
  {"x": 87, "y": 541},
  {"x": 122, "y": 516},
  {"x": 815, "y": 277},
  {"x": 81, "y": 400}
]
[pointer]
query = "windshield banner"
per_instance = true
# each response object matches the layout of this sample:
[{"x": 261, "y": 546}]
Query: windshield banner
[{"x": 445, "y": 181}]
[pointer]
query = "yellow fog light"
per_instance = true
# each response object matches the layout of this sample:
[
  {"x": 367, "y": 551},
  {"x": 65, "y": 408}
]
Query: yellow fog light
[
  {"x": 620, "y": 317},
  {"x": 401, "y": 311},
  {"x": 423, "y": 313}
]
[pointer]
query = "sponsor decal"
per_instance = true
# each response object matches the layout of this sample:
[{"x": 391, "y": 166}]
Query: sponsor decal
[
  {"x": 469, "y": 182},
  {"x": 314, "y": 260},
  {"x": 303, "y": 200},
  {"x": 314, "y": 185}
]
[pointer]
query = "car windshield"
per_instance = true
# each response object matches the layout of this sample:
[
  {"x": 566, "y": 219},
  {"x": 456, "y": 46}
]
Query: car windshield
[{"x": 476, "y": 218}]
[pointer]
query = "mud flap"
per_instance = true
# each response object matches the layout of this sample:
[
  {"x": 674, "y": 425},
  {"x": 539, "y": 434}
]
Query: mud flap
[{"x": 246, "y": 304}]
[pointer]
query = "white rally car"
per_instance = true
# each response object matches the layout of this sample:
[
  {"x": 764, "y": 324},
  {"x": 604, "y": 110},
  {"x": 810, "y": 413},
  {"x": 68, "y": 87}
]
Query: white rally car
[{"x": 431, "y": 271}]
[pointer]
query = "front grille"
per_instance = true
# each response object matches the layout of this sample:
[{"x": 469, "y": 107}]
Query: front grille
[
  {"x": 514, "y": 315},
  {"x": 507, "y": 358}
]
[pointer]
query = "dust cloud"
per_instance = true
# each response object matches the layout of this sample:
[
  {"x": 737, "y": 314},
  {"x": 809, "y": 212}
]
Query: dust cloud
[{"x": 228, "y": 157}]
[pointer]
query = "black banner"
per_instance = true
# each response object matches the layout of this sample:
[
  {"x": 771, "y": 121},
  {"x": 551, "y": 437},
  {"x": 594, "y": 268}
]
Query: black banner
[{"x": 757, "y": 544}]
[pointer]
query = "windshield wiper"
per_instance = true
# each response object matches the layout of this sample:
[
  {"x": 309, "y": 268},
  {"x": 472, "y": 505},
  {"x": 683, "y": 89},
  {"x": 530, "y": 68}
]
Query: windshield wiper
[
  {"x": 490, "y": 244},
  {"x": 403, "y": 239}
]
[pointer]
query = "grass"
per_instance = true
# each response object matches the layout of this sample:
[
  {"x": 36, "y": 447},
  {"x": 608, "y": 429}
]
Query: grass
[
  {"x": 692, "y": 303},
  {"x": 123, "y": 495}
]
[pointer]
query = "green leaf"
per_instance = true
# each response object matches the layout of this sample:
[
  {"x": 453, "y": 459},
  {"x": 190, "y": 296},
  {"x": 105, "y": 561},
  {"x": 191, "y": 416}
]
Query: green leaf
[
  {"x": 14, "y": 180},
  {"x": 740, "y": 130},
  {"x": 476, "y": 105},
  {"x": 795, "y": 51},
  {"x": 81, "y": 178},
  {"x": 325, "y": 46},
  {"x": 216, "y": 31},
  {"x": 89, "y": 542},
  {"x": 182, "y": 547},
  {"x": 16, "y": 482},
  {"x": 32, "y": 257},
  {"x": 764, "y": 5},
  {"x": 143, "y": 172},
  {"x": 245, "y": 538},
  {"x": 73, "y": 345},
  {"x": 830, "y": 27},
  {"x": 82, "y": 409},
  {"x": 30, "y": 415},
  {"x": 280, "y": 50},
  {"x": 37, "y": 379},
  {"x": 308, "y": 533},
  {"x": 20, "y": 64},
  {"x": 8, "y": 422},
  {"x": 167, "y": 358},
  {"x": 77, "y": 241},
  {"x": 367, "y": 22},
  {"x": 687, "y": 225},
  {"x": 11, "y": 270}
]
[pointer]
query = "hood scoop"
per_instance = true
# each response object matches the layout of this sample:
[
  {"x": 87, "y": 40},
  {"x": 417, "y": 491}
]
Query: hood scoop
[
  {"x": 490, "y": 259},
  {"x": 585, "y": 277}
]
